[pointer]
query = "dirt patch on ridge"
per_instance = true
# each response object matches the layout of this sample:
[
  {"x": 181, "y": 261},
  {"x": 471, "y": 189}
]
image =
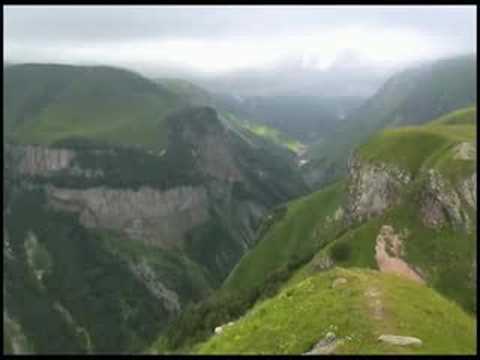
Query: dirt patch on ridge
[{"x": 388, "y": 249}]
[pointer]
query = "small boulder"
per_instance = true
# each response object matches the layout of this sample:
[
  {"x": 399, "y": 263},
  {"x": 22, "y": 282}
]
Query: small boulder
[{"x": 400, "y": 340}]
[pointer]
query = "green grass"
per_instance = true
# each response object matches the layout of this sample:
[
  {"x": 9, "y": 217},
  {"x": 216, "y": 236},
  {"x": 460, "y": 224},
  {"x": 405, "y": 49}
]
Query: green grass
[
  {"x": 428, "y": 146},
  {"x": 47, "y": 103},
  {"x": 298, "y": 234},
  {"x": 129, "y": 121},
  {"x": 293, "y": 321},
  {"x": 264, "y": 131},
  {"x": 275, "y": 136},
  {"x": 445, "y": 255}
]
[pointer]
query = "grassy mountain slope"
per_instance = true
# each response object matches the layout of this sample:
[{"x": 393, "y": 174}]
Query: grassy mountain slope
[
  {"x": 411, "y": 97},
  {"x": 293, "y": 321},
  {"x": 290, "y": 233},
  {"x": 415, "y": 149},
  {"x": 268, "y": 133},
  {"x": 314, "y": 234},
  {"x": 47, "y": 103},
  {"x": 426, "y": 146}
]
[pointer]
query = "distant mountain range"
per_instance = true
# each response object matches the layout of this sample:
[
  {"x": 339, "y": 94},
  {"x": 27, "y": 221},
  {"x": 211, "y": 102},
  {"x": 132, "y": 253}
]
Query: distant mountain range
[{"x": 412, "y": 96}]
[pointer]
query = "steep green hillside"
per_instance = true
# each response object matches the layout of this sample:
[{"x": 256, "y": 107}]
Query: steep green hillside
[
  {"x": 358, "y": 311},
  {"x": 431, "y": 146},
  {"x": 268, "y": 133},
  {"x": 446, "y": 255},
  {"x": 414, "y": 96},
  {"x": 291, "y": 233},
  {"x": 415, "y": 184},
  {"x": 47, "y": 103}
]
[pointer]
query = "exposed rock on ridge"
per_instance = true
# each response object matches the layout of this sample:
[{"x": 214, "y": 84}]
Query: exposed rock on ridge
[
  {"x": 372, "y": 188},
  {"x": 441, "y": 202},
  {"x": 37, "y": 160},
  {"x": 159, "y": 218},
  {"x": 388, "y": 253}
]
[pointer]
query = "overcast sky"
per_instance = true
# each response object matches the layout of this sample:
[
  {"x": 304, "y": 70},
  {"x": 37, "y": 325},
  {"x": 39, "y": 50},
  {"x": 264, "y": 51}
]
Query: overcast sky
[{"x": 224, "y": 38}]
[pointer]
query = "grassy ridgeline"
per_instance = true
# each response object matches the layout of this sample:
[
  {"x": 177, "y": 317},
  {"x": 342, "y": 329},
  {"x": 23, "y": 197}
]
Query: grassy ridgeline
[
  {"x": 47, "y": 103},
  {"x": 293, "y": 321},
  {"x": 307, "y": 226}
]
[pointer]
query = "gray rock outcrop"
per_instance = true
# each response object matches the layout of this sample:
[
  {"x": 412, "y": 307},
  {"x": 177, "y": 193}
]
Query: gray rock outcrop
[
  {"x": 325, "y": 346},
  {"x": 148, "y": 276},
  {"x": 372, "y": 188},
  {"x": 442, "y": 202},
  {"x": 159, "y": 218},
  {"x": 38, "y": 160}
]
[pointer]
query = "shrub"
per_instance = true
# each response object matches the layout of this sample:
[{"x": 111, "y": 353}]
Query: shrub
[{"x": 341, "y": 251}]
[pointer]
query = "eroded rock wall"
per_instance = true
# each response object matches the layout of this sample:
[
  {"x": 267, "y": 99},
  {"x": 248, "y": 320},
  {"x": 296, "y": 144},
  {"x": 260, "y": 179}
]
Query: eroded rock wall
[
  {"x": 159, "y": 218},
  {"x": 372, "y": 188}
]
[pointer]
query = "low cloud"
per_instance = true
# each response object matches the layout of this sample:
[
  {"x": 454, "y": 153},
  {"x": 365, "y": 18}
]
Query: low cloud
[{"x": 216, "y": 39}]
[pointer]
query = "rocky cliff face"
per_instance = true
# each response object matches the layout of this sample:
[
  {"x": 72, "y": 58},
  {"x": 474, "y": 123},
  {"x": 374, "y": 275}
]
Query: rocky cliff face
[
  {"x": 427, "y": 207},
  {"x": 176, "y": 222},
  {"x": 159, "y": 218},
  {"x": 36, "y": 160},
  {"x": 375, "y": 187},
  {"x": 443, "y": 203},
  {"x": 372, "y": 188},
  {"x": 389, "y": 251}
]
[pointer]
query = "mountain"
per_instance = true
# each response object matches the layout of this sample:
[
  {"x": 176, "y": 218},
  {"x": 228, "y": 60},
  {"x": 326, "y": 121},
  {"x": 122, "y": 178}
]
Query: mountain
[
  {"x": 300, "y": 75},
  {"x": 301, "y": 118},
  {"x": 48, "y": 102},
  {"x": 419, "y": 180},
  {"x": 413, "y": 96},
  {"x": 159, "y": 217},
  {"x": 231, "y": 111},
  {"x": 397, "y": 236},
  {"x": 108, "y": 236}
]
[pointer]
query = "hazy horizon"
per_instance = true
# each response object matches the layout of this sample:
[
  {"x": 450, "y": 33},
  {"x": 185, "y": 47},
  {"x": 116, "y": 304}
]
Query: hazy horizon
[{"x": 219, "y": 40}]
